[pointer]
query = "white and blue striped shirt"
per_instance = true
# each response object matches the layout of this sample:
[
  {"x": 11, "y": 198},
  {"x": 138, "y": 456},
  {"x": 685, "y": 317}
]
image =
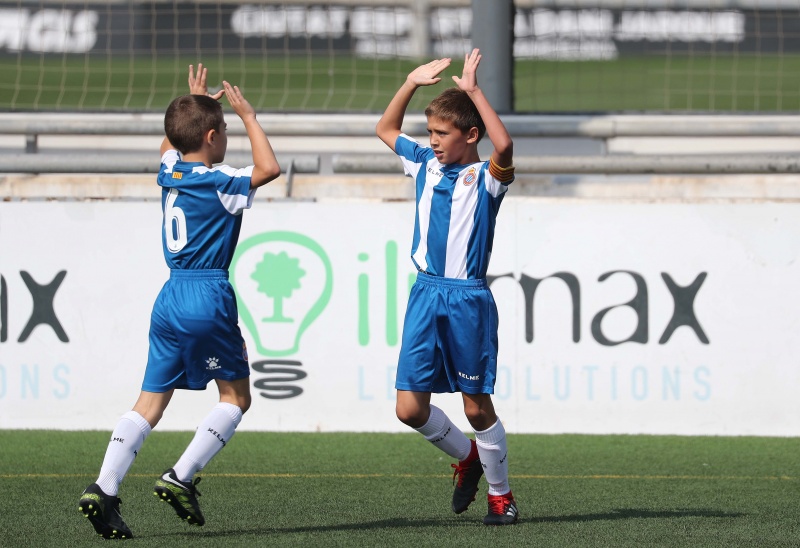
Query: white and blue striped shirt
[
  {"x": 457, "y": 207},
  {"x": 202, "y": 211}
]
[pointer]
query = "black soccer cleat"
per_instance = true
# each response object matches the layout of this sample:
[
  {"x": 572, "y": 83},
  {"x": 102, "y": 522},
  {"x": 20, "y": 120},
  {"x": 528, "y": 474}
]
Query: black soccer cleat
[
  {"x": 502, "y": 510},
  {"x": 181, "y": 495},
  {"x": 102, "y": 511},
  {"x": 467, "y": 474}
]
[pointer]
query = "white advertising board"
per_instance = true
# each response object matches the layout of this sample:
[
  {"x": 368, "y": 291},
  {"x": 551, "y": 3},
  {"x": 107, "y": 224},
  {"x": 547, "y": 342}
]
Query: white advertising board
[{"x": 661, "y": 318}]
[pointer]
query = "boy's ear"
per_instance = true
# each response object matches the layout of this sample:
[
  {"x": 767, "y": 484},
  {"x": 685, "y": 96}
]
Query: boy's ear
[
  {"x": 472, "y": 135},
  {"x": 211, "y": 135}
]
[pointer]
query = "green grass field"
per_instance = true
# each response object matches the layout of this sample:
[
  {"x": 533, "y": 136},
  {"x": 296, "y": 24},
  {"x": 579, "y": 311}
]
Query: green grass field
[
  {"x": 269, "y": 489},
  {"x": 678, "y": 83}
]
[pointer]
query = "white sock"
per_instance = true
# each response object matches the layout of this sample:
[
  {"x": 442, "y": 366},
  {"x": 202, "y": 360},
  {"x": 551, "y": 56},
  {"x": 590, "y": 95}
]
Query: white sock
[
  {"x": 441, "y": 432},
  {"x": 494, "y": 456},
  {"x": 126, "y": 440},
  {"x": 212, "y": 435}
]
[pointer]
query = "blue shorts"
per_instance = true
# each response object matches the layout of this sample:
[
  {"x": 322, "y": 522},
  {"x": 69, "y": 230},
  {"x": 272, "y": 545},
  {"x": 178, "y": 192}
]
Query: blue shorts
[
  {"x": 194, "y": 333},
  {"x": 449, "y": 337}
]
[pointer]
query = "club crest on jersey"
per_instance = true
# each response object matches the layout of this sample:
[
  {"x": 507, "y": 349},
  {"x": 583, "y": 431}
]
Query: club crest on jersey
[
  {"x": 470, "y": 177},
  {"x": 177, "y": 175}
]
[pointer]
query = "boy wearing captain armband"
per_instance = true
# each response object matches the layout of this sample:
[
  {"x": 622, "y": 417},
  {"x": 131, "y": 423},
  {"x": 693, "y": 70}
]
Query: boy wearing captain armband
[{"x": 450, "y": 329}]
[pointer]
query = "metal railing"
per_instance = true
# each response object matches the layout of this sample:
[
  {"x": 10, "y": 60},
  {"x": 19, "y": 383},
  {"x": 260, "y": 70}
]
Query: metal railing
[
  {"x": 595, "y": 127},
  {"x": 611, "y": 165},
  {"x": 601, "y": 126}
]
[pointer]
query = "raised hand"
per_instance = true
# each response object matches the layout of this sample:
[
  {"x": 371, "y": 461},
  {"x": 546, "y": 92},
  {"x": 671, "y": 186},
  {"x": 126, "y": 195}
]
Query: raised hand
[
  {"x": 237, "y": 101},
  {"x": 197, "y": 84},
  {"x": 428, "y": 74},
  {"x": 469, "y": 76}
]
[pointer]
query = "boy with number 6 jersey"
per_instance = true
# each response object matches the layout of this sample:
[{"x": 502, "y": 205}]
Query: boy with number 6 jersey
[
  {"x": 450, "y": 329},
  {"x": 194, "y": 332}
]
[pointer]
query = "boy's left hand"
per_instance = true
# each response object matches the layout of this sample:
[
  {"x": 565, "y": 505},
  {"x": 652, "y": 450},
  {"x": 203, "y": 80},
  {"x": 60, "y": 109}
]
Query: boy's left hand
[
  {"x": 237, "y": 101},
  {"x": 469, "y": 77},
  {"x": 197, "y": 84}
]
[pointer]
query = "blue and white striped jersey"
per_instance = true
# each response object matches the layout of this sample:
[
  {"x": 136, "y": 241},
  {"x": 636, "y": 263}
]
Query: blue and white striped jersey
[
  {"x": 457, "y": 207},
  {"x": 202, "y": 212}
]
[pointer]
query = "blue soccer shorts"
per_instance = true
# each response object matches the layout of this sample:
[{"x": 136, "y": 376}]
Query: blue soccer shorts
[
  {"x": 194, "y": 333},
  {"x": 449, "y": 337}
]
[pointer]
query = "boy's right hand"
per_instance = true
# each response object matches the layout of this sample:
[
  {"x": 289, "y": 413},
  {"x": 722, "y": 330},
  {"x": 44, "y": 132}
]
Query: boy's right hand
[
  {"x": 197, "y": 84},
  {"x": 427, "y": 74},
  {"x": 237, "y": 101}
]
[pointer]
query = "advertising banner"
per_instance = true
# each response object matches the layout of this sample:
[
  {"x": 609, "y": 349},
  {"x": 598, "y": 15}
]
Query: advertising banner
[
  {"x": 659, "y": 318},
  {"x": 368, "y": 31}
]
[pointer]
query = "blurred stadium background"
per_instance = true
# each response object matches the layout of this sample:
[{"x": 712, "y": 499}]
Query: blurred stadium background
[
  {"x": 588, "y": 78},
  {"x": 348, "y": 55}
]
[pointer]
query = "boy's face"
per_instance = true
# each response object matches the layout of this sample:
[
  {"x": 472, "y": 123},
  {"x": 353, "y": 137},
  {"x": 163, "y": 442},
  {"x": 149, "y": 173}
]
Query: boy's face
[{"x": 450, "y": 144}]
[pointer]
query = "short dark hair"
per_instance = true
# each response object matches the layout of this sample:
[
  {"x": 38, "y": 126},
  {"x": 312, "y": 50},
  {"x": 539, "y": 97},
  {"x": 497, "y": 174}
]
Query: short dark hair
[
  {"x": 455, "y": 106},
  {"x": 189, "y": 118}
]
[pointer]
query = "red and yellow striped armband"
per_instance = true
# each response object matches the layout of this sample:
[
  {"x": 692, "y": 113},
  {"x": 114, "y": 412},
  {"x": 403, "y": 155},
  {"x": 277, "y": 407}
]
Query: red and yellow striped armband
[{"x": 502, "y": 174}]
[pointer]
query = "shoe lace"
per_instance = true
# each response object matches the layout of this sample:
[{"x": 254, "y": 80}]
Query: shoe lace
[
  {"x": 460, "y": 472},
  {"x": 193, "y": 486},
  {"x": 497, "y": 504}
]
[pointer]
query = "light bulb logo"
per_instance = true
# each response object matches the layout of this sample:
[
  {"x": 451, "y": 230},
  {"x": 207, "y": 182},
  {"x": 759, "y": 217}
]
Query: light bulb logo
[{"x": 283, "y": 282}]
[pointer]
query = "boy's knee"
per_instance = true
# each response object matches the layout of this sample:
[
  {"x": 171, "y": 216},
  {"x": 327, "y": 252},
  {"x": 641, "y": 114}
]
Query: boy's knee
[
  {"x": 480, "y": 412},
  {"x": 413, "y": 417},
  {"x": 475, "y": 414},
  {"x": 244, "y": 402},
  {"x": 236, "y": 393}
]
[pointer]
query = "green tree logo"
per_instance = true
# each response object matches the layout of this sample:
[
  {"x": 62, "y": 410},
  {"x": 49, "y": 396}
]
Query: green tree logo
[
  {"x": 278, "y": 276},
  {"x": 272, "y": 268}
]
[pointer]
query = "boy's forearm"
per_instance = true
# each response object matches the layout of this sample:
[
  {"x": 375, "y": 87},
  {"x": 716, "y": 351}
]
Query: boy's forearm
[
  {"x": 266, "y": 165},
  {"x": 391, "y": 123},
  {"x": 396, "y": 110},
  {"x": 495, "y": 129}
]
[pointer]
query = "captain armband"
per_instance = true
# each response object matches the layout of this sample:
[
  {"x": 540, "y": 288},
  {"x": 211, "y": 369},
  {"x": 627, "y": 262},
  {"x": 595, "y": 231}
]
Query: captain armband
[{"x": 502, "y": 174}]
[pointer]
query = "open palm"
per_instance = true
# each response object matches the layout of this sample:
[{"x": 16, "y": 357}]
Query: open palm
[{"x": 428, "y": 74}]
